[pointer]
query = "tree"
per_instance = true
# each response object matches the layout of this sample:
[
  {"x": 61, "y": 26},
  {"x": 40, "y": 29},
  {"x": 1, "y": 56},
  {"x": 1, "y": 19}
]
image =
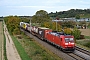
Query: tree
[
  {"x": 69, "y": 24},
  {"x": 41, "y": 16},
  {"x": 68, "y": 31},
  {"x": 12, "y": 23},
  {"x": 52, "y": 25},
  {"x": 16, "y": 31},
  {"x": 76, "y": 33},
  {"x": 71, "y": 13},
  {"x": 46, "y": 24},
  {"x": 89, "y": 24},
  {"x": 25, "y": 20},
  {"x": 34, "y": 19},
  {"x": 77, "y": 16}
]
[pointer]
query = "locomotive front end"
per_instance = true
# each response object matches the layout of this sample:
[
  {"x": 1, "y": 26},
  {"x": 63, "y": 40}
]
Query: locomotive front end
[{"x": 69, "y": 43}]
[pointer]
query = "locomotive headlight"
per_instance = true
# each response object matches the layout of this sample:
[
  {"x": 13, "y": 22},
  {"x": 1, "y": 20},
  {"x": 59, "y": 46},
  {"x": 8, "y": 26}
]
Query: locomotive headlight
[
  {"x": 73, "y": 43},
  {"x": 66, "y": 43},
  {"x": 66, "y": 46}
]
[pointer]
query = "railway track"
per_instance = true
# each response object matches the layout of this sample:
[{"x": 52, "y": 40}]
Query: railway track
[
  {"x": 75, "y": 56},
  {"x": 82, "y": 50},
  {"x": 78, "y": 54}
]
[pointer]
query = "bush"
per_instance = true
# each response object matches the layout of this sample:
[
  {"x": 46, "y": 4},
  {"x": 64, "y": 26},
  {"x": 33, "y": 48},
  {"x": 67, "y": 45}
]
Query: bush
[
  {"x": 82, "y": 37},
  {"x": 67, "y": 31},
  {"x": 16, "y": 31},
  {"x": 88, "y": 44},
  {"x": 76, "y": 33},
  {"x": 12, "y": 23},
  {"x": 89, "y": 25}
]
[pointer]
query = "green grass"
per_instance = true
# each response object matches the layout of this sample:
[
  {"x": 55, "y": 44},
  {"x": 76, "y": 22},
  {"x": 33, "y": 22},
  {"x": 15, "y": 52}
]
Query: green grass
[
  {"x": 35, "y": 50},
  {"x": 87, "y": 37},
  {"x": 5, "y": 55},
  {"x": 85, "y": 43},
  {"x": 85, "y": 16},
  {"x": 89, "y": 27},
  {"x": 20, "y": 49},
  {"x": 4, "y": 44},
  {"x": 82, "y": 46}
]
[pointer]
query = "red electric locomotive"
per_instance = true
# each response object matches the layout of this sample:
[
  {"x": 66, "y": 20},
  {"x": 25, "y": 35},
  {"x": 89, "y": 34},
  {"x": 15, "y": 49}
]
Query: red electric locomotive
[{"x": 65, "y": 42}]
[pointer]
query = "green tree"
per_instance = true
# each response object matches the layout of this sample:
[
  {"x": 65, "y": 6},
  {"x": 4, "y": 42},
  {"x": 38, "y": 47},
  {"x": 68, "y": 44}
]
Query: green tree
[
  {"x": 34, "y": 19},
  {"x": 46, "y": 24},
  {"x": 25, "y": 20},
  {"x": 67, "y": 30},
  {"x": 16, "y": 31},
  {"x": 12, "y": 23},
  {"x": 77, "y": 16},
  {"x": 53, "y": 26},
  {"x": 76, "y": 33},
  {"x": 41, "y": 16},
  {"x": 71, "y": 13},
  {"x": 69, "y": 24},
  {"x": 89, "y": 24}
]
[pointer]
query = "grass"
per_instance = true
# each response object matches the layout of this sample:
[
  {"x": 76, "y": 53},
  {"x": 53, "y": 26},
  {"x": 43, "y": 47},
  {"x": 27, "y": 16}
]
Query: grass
[
  {"x": 20, "y": 49},
  {"x": 89, "y": 27},
  {"x": 5, "y": 56},
  {"x": 82, "y": 46},
  {"x": 35, "y": 50},
  {"x": 87, "y": 37},
  {"x": 85, "y": 16},
  {"x": 85, "y": 43},
  {"x": 4, "y": 44}
]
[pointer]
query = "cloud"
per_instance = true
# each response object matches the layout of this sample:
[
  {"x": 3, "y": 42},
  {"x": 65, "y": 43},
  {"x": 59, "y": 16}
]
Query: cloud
[
  {"x": 21, "y": 7},
  {"x": 12, "y": 2},
  {"x": 30, "y": 6},
  {"x": 84, "y": 2},
  {"x": 52, "y": 1}
]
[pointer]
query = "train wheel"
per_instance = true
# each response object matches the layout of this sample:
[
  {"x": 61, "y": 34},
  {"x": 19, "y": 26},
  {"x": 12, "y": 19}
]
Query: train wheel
[{"x": 60, "y": 48}]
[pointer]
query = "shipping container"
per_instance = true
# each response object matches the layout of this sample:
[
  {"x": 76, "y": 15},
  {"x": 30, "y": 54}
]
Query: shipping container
[{"x": 42, "y": 32}]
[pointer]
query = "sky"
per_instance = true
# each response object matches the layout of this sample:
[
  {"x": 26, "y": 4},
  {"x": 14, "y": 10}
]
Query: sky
[{"x": 30, "y": 7}]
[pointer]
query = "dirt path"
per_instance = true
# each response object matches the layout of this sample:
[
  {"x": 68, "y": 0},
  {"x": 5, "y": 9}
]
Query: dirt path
[
  {"x": 85, "y": 32},
  {"x": 11, "y": 51},
  {"x": 1, "y": 41}
]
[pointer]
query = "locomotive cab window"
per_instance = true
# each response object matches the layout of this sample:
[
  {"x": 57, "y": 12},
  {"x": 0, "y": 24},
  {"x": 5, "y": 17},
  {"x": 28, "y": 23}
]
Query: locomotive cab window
[{"x": 69, "y": 40}]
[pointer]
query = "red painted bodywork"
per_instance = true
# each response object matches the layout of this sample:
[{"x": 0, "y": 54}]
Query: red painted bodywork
[{"x": 60, "y": 41}]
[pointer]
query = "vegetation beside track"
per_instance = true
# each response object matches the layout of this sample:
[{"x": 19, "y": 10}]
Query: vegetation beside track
[
  {"x": 35, "y": 50},
  {"x": 20, "y": 49},
  {"x": 5, "y": 55},
  {"x": 84, "y": 43},
  {"x": 89, "y": 27},
  {"x": 4, "y": 43},
  {"x": 87, "y": 37}
]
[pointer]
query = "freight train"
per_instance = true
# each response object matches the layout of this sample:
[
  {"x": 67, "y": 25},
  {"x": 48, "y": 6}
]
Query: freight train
[{"x": 60, "y": 39}]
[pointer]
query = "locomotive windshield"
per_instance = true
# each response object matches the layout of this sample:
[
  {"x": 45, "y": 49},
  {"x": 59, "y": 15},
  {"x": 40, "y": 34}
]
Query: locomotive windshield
[{"x": 69, "y": 40}]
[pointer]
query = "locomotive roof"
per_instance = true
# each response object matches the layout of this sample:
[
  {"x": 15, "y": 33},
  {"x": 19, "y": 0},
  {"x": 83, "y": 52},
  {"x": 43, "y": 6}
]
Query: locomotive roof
[
  {"x": 43, "y": 28},
  {"x": 59, "y": 33}
]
